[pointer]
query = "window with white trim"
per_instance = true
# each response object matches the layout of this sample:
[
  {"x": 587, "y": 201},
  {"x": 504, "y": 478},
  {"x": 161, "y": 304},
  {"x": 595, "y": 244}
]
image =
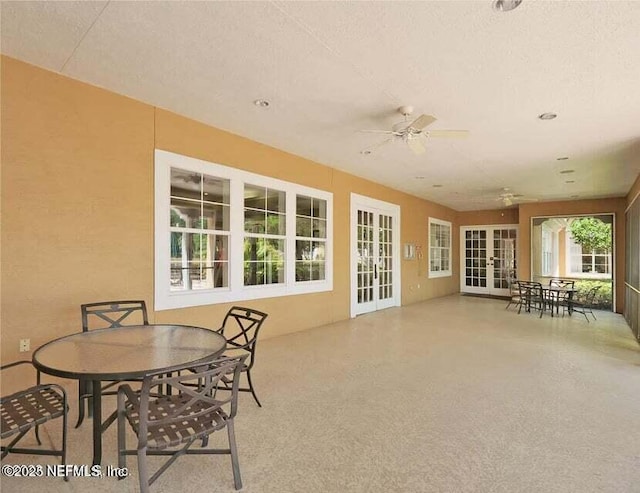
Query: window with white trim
[
  {"x": 439, "y": 248},
  {"x": 223, "y": 234},
  {"x": 548, "y": 256},
  {"x": 596, "y": 263}
]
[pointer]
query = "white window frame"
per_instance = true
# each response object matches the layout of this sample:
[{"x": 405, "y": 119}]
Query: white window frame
[
  {"x": 165, "y": 299},
  {"x": 569, "y": 242},
  {"x": 440, "y": 273}
]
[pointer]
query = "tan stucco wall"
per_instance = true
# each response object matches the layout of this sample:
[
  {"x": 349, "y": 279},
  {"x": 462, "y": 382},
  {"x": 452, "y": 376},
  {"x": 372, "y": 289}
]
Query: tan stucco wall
[
  {"x": 576, "y": 207},
  {"x": 494, "y": 216},
  {"x": 77, "y": 204}
]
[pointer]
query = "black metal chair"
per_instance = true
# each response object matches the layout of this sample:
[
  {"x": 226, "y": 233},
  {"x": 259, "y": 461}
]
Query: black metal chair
[
  {"x": 107, "y": 314},
  {"x": 240, "y": 328},
  {"x": 30, "y": 408},
  {"x": 562, "y": 283},
  {"x": 514, "y": 293},
  {"x": 170, "y": 424},
  {"x": 531, "y": 296},
  {"x": 583, "y": 304}
]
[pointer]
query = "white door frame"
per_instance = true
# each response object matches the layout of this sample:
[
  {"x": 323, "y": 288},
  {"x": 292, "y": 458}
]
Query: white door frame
[
  {"x": 381, "y": 207},
  {"x": 489, "y": 227}
]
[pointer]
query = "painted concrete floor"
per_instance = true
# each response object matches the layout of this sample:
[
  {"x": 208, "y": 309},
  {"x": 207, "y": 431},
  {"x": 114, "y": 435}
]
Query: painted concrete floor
[{"x": 450, "y": 395}]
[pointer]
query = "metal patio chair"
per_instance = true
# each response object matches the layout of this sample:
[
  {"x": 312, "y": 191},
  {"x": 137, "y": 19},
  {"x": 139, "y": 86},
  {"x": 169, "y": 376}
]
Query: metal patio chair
[
  {"x": 514, "y": 294},
  {"x": 30, "y": 408},
  {"x": 583, "y": 304},
  {"x": 101, "y": 315},
  {"x": 240, "y": 328},
  {"x": 531, "y": 296},
  {"x": 170, "y": 424}
]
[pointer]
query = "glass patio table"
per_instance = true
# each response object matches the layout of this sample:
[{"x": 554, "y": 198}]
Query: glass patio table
[{"x": 124, "y": 353}]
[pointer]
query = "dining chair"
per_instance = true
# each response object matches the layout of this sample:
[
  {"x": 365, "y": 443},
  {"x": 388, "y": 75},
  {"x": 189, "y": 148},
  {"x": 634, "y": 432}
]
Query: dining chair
[
  {"x": 29, "y": 409},
  {"x": 562, "y": 283},
  {"x": 514, "y": 294},
  {"x": 583, "y": 304},
  {"x": 102, "y": 315},
  {"x": 240, "y": 329},
  {"x": 557, "y": 298},
  {"x": 531, "y": 296},
  {"x": 168, "y": 425}
]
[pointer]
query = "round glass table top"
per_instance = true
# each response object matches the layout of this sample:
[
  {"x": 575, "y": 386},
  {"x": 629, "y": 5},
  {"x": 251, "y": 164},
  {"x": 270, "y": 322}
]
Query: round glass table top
[{"x": 127, "y": 352}]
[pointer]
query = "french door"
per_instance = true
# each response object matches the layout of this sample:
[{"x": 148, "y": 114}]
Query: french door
[
  {"x": 488, "y": 258},
  {"x": 375, "y": 260}
]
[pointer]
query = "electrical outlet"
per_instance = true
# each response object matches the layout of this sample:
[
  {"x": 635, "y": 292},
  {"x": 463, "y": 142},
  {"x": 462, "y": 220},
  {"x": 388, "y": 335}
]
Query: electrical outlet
[{"x": 25, "y": 345}]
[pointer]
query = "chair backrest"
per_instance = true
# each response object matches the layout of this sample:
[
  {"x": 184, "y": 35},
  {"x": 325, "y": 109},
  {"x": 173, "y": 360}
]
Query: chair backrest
[
  {"x": 203, "y": 396},
  {"x": 590, "y": 297},
  {"x": 530, "y": 290},
  {"x": 110, "y": 314},
  {"x": 240, "y": 328},
  {"x": 562, "y": 283}
]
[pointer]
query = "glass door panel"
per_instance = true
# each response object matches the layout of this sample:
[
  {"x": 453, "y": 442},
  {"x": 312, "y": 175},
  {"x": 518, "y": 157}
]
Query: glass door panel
[
  {"x": 488, "y": 256},
  {"x": 375, "y": 259}
]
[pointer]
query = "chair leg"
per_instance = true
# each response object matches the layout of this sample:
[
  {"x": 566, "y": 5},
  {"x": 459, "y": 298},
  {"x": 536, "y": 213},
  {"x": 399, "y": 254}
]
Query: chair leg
[
  {"x": 64, "y": 439},
  {"x": 142, "y": 470},
  {"x": 237, "y": 480},
  {"x": 251, "y": 388},
  {"x": 122, "y": 440},
  {"x": 82, "y": 390}
]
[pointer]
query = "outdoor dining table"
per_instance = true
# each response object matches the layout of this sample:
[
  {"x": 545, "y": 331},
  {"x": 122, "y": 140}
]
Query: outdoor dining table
[
  {"x": 124, "y": 353},
  {"x": 556, "y": 294}
]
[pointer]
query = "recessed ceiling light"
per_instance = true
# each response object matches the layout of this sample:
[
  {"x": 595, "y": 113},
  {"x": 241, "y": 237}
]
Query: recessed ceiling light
[
  {"x": 562, "y": 158},
  {"x": 505, "y": 5},
  {"x": 569, "y": 181},
  {"x": 567, "y": 171},
  {"x": 436, "y": 186},
  {"x": 263, "y": 103},
  {"x": 547, "y": 116}
]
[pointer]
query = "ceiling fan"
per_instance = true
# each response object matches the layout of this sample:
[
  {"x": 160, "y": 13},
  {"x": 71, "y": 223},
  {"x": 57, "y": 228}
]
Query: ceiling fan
[
  {"x": 413, "y": 133},
  {"x": 508, "y": 198}
]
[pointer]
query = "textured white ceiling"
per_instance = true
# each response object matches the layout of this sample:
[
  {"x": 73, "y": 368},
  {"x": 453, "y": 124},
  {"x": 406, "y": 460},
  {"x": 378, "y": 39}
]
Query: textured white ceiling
[{"x": 330, "y": 69}]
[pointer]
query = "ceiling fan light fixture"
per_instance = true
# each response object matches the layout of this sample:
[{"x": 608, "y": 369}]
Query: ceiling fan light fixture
[
  {"x": 547, "y": 116},
  {"x": 505, "y": 5}
]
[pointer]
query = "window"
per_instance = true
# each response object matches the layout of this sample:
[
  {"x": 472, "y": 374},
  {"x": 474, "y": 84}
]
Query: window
[
  {"x": 311, "y": 238},
  {"x": 549, "y": 265},
  {"x": 439, "y": 248},
  {"x": 222, "y": 234},
  {"x": 596, "y": 263}
]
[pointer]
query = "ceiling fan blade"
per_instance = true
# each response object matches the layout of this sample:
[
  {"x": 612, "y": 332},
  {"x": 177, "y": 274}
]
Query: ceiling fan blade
[
  {"x": 416, "y": 146},
  {"x": 379, "y": 132},
  {"x": 422, "y": 121},
  {"x": 372, "y": 148},
  {"x": 452, "y": 134}
]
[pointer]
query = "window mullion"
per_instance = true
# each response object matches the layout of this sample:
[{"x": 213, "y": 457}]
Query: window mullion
[
  {"x": 236, "y": 248},
  {"x": 290, "y": 243}
]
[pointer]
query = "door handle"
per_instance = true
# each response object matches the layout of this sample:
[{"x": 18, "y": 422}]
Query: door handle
[{"x": 375, "y": 271}]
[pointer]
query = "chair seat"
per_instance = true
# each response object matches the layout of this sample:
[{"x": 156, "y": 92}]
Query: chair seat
[
  {"x": 162, "y": 436},
  {"x": 29, "y": 408}
]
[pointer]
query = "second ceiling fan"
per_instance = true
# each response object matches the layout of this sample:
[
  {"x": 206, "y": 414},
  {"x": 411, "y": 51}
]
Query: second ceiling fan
[{"x": 413, "y": 133}]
